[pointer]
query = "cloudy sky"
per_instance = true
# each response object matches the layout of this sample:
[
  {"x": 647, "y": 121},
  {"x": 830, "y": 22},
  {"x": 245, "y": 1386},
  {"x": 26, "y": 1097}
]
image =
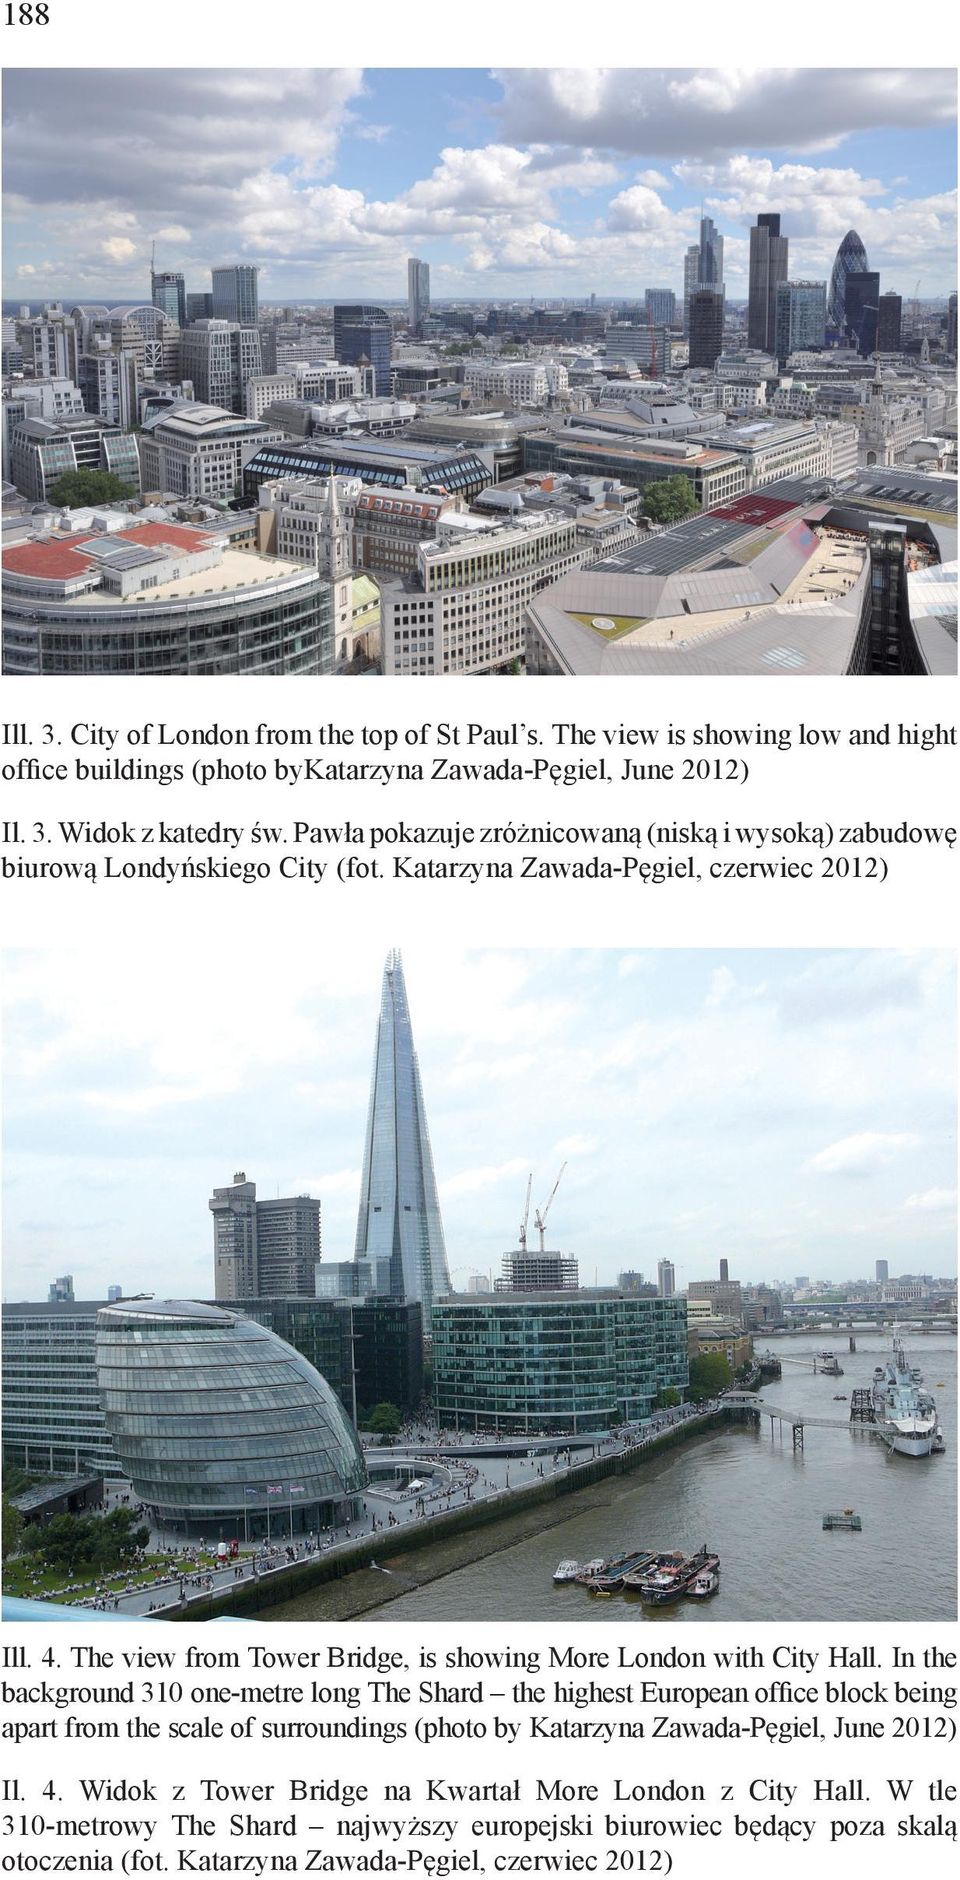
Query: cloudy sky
[
  {"x": 793, "y": 1111},
  {"x": 509, "y": 182}
]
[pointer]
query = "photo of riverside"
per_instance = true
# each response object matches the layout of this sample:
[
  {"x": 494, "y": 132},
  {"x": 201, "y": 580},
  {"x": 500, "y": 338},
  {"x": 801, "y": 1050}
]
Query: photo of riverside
[
  {"x": 418, "y": 373},
  {"x": 624, "y": 1280}
]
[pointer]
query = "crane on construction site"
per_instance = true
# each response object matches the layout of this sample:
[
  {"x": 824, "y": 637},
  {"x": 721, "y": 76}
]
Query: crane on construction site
[
  {"x": 526, "y": 1216},
  {"x": 541, "y": 1217}
]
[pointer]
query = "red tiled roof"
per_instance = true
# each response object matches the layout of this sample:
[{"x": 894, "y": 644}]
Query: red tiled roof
[
  {"x": 57, "y": 560},
  {"x": 159, "y": 534}
]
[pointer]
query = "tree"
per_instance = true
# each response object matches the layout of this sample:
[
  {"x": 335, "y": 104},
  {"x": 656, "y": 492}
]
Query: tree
[
  {"x": 669, "y": 500},
  {"x": 384, "y": 1419},
  {"x": 78, "y": 489},
  {"x": 12, "y": 1527},
  {"x": 710, "y": 1373},
  {"x": 666, "y": 1398},
  {"x": 72, "y": 1542}
]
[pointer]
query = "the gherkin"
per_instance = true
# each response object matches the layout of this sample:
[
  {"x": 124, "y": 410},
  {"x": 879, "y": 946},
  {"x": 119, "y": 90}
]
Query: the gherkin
[
  {"x": 399, "y": 1218},
  {"x": 851, "y": 258}
]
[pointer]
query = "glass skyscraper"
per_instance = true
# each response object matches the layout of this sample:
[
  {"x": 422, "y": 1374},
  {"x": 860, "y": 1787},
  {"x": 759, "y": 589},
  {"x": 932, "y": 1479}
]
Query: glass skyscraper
[
  {"x": 362, "y": 333},
  {"x": 399, "y": 1216},
  {"x": 851, "y": 258}
]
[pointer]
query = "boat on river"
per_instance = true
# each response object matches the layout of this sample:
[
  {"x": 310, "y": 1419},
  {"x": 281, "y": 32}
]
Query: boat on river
[
  {"x": 667, "y": 1576},
  {"x": 707, "y": 1581},
  {"x": 615, "y": 1572},
  {"x": 586, "y": 1574},
  {"x": 567, "y": 1570}
]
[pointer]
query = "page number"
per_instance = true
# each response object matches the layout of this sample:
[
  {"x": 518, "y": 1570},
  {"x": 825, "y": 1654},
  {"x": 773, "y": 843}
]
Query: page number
[{"x": 26, "y": 13}]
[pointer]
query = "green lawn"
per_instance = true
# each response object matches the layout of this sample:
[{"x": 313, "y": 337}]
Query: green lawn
[{"x": 25, "y": 1577}]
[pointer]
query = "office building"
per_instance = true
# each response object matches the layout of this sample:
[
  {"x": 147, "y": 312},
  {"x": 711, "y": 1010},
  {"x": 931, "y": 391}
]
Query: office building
[
  {"x": 660, "y": 305},
  {"x": 723, "y": 1295},
  {"x": 850, "y": 258},
  {"x": 168, "y": 291},
  {"x": 161, "y": 598},
  {"x": 716, "y": 474},
  {"x": 235, "y": 295},
  {"x": 61, "y": 1290},
  {"x": 199, "y": 307},
  {"x": 221, "y": 358},
  {"x": 113, "y": 1293},
  {"x": 635, "y": 1285},
  {"x": 527, "y": 1271},
  {"x": 109, "y": 386},
  {"x": 691, "y": 281},
  {"x": 706, "y": 326},
  {"x": 319, "y": 381},
  {"x": 711, "y": 254},
  {"x": 418, "y": 292},
  {"x": 267, "y": 1249},
  {"x": 399, "y": 1215},
  {"x": 862, "y": 305},
  {"x": 883, "y": 1272},
  {"x": 381, "y": 463},
  {"x": 363, "y": 335},
  {"x": 42, "y": 450},
  {"x": 52, "y": 1416},
  {"x": 369, "y": 1348},
  {"x": 889, "y": 322},
  {"x": 801, "y": 320},
  {"x": 515, "y": 382},
  {"x": 462, "y": 611},
  {"x": 951, "y": 337},
  {"x": 564, "y": 1362},
  {"x": 769, "y": 262},
  {"x": 222, "y": 1428},
  {"x": 353, "y": 1279},
  {"x": 644, "y": 347},
  {"x": 666, "y": 1279},
  {"x": 194, "y": 449},
  {"x": 48, "y": 342}
]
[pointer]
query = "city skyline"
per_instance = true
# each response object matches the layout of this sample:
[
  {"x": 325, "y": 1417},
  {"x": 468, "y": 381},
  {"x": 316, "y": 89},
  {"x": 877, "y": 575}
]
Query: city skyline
[
  {"x": 792, "y": 1112},
  {"x": 509, "y": 182}
]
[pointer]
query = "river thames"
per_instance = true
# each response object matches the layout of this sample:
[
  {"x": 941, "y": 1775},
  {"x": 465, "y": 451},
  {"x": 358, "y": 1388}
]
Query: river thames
[{"x": 759, "y": 1505}]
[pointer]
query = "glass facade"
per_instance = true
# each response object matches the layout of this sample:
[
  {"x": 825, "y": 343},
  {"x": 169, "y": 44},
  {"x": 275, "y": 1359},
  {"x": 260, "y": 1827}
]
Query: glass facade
[
  {"x": 851, "y": 258},
  {"x": 362, "y": 333},
  {"x": 555, "y": 1362},
  {"x": 219, "y": 1424},
  {"x": 399, "y": 1216},
  {"x": 284, "y": 627},
  {"x": 52, "y": 1418}
]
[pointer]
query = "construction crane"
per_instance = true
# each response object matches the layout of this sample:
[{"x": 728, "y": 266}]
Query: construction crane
[
  {"x": 541, "y": 1218},
  {"x": 526, "y": 1216}
]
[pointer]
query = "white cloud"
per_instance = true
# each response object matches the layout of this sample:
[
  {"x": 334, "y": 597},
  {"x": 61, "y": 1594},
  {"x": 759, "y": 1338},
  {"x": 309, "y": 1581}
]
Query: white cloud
[
  {"x": 860, "y": 1154},
  {"x": 472, "y": 1181},
  {"x": 569, "y": 1146},
  {"x": 670, "y": 112},
  {"x": 933, "y": 1200}
]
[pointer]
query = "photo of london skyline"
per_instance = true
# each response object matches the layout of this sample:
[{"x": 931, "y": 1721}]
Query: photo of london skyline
[
  {"x": 791, "y": 1113},
  {"x": 508, "y": 182}
]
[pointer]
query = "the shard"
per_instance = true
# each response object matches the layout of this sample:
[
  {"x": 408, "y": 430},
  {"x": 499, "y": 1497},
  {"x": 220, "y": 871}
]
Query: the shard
[{"x": 399, "y": 1218}]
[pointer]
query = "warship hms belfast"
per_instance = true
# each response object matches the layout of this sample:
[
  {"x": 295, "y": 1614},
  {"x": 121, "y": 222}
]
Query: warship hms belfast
[{"x": 904, "y": 1412}]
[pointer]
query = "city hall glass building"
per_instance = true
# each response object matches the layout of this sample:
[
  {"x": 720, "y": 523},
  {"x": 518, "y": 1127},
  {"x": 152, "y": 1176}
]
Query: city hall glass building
[
  {"x": 555, "y": 1361},
  {"x": 222, "y": 1428}
]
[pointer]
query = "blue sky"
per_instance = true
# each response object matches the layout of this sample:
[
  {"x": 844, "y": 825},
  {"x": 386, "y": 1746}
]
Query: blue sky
[
  {"x": 791, "y": 1111},
  {"x": 521, "y": 181}
]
